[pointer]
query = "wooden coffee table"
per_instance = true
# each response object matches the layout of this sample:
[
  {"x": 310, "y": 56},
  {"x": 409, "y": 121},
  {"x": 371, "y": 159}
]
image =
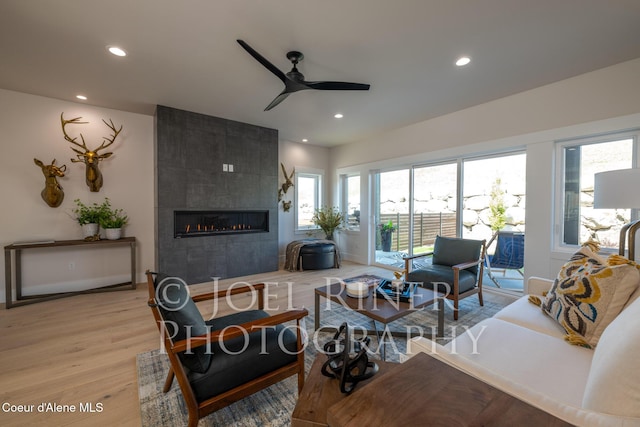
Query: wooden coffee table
[
  {"x": 320, "y": 392},
  {"x": 380, "y": 309},
  {"x": 425, "y": 391}
]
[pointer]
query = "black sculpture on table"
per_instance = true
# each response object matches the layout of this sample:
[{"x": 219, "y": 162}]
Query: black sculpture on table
[{"x": 349, "y": 368}]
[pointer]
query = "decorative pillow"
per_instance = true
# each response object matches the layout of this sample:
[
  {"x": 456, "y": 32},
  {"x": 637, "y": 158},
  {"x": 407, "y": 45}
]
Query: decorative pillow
[
  {"x": 613, "y": 384},
  {"x": 589, "y": 293}
]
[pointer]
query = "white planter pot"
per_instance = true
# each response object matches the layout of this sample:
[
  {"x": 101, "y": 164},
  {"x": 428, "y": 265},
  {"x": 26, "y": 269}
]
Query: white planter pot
[
  {"x": 113, "y": 233},
  {"x": 89, "y": 230}
]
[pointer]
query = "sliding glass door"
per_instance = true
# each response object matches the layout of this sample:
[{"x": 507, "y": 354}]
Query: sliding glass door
[
  {"x": 434, "y": 205},
  {"x": 493, "y": 192},
  {"x": 494, "y": 200},
  {"x": 414, "y": 205},
  {"x": 392, "y": 216}
]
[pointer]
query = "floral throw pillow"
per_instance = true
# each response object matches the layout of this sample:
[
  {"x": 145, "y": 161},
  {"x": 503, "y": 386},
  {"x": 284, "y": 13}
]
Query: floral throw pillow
[{"x": 589, "y": 293}]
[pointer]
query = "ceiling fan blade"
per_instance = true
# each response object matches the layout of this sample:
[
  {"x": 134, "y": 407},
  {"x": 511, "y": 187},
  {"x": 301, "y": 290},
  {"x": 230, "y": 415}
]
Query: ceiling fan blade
[
  {"x": 277, "y": 100},
  {"x": 337, "y": 86},
  {"x": 261, "y": 59}
]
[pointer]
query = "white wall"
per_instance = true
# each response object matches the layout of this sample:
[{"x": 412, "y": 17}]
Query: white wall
[
  {"x": 31, "y": 128},
  {"x": 304, "y": 157},
  {"x": 606, "y": 93},
  {"x": 602, "y": 101}
]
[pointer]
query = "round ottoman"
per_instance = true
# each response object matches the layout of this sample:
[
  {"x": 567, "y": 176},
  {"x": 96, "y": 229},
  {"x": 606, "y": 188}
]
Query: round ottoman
[{"x": 317, "y": 256}]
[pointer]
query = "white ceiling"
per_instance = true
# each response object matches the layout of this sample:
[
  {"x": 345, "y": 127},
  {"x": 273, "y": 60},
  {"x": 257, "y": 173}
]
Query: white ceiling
[{"x": 183, "y": 54}]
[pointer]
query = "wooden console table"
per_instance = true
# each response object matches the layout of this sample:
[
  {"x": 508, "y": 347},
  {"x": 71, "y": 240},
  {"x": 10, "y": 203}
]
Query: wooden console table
[{"x": 17, "y": 250}]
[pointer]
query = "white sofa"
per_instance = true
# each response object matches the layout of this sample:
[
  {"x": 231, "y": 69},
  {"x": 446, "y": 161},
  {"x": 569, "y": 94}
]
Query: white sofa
[{"x": 522, "y": 351}]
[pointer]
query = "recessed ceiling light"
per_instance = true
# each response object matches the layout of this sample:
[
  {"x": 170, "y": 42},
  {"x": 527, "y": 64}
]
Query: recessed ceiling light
[
  {"x": 117, "y": 51},
  {"x": 338, "y": 115},
  {"x": 463, "y": 61},
  {"x": 305, "y": 140},
  {"x": 81, "y": 97}
]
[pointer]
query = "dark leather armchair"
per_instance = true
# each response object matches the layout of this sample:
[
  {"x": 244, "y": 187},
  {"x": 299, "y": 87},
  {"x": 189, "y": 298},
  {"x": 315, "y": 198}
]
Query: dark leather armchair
[
  {"x": 456, "y": 269},
  {"x": 209, "y": 358}
]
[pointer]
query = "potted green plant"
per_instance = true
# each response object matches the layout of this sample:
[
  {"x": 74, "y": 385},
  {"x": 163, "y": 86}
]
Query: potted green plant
[
  {"x": 112, "y": 221},
  {"x": 88, "y": 216},
  {"x": 386, "y": 230},
  {"x": 328, "y": 219}
]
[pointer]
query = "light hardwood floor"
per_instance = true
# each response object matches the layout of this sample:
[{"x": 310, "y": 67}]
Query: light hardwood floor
[{"x": 82, "y": 349}]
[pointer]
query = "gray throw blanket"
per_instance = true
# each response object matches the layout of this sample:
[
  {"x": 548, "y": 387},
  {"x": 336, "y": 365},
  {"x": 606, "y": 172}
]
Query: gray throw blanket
[{"x": 292, "y": 255}]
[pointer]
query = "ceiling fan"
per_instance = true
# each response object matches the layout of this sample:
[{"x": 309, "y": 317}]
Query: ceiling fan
[{"x": 294, "y": 80}]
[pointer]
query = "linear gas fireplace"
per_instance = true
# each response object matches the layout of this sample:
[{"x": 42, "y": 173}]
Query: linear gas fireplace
[{"x": 211, "y": 223}]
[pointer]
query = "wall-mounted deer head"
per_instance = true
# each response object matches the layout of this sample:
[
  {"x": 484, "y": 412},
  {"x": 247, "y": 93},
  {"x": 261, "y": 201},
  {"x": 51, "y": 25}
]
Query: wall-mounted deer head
[
  {"x": 91, "y": 158},
  {"x": 288, "y": 179},
  {"x": 52, "y": 193}
]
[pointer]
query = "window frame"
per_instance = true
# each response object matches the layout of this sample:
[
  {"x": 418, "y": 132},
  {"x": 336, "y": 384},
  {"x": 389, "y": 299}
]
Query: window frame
[
  {"x": 344, "y": 199},
  {"x": 560, "y": 174},
  {"x": 318, "y": 177}
]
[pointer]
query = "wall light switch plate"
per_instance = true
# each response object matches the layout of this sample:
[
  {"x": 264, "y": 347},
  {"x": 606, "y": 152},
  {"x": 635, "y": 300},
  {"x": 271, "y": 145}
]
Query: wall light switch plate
[
  {"x": 230, "y": 168},
  {"x": 225, "y": 167}
]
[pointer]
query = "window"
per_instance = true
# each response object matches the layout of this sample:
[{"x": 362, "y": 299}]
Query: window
[
  {"x": 494, "y": 195},
  {"x": 391, "y": 210},
  {"x": 435, "y": 203},
  {"x": 351, "y": 200},
  {"x": 580, "y": 161},
  {"x": 468, "y": 197},
  {"x": 308, "y": 190}
]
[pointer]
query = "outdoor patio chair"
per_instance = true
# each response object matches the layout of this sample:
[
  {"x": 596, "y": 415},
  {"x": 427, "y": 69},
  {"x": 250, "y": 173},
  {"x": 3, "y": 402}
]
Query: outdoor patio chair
[
  {"x": 209, "y": 358},
  {"x": 508, "y": 255},
  {"x": 456, "y": 269}
]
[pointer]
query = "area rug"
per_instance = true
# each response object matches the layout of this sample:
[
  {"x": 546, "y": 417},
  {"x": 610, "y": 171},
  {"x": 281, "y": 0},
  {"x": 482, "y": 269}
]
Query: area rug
[{"x": 273, "y": 406}]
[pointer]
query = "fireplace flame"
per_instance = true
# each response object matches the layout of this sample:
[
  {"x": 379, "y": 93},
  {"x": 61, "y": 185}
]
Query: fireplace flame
[{"x": 212, "y": 228}]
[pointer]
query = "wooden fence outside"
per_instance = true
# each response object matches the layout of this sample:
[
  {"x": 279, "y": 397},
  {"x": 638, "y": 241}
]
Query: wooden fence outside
[{"x": 426, "y": 226}]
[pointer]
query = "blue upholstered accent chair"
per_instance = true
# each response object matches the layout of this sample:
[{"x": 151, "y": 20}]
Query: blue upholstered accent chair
[
  {"x": 456, "y": 269},
  {"x": 508, "y": 255},
  {"x": 209, "y": 358}
]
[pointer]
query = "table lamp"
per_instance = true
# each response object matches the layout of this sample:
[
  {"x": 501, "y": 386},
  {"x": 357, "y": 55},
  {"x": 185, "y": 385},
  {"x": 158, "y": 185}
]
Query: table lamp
[{"x": 620, "y": 189}]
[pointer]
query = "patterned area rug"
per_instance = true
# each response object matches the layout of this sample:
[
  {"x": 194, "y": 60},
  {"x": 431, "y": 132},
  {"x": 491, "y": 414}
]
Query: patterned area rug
[{"x": 273, "y": 406}]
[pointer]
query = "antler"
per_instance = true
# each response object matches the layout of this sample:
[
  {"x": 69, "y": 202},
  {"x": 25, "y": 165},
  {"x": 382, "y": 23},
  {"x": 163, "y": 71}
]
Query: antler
[
  {"x": 286, "y": 175},
  {"x": 62, "y": 168},
  {"x": 288, "y": 179},
  {"x": 107, "y": 141},
  {"x": 75, "y": 121},
  {"x": 113, "y": 137}
]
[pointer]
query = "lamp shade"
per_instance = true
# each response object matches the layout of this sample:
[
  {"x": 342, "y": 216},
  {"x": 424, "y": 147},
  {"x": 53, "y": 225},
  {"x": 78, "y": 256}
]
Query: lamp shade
[{"x": 619, "y": 189}]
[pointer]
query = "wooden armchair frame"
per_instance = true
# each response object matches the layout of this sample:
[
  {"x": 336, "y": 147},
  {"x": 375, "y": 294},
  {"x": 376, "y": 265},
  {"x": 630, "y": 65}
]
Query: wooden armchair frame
[
  {"x": 455, "y": 294},
  {"x": 197, "y": 409}
]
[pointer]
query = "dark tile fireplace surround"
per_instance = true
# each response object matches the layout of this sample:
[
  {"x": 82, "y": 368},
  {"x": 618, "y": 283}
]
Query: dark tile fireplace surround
[{"x": 211, "y": 222}]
